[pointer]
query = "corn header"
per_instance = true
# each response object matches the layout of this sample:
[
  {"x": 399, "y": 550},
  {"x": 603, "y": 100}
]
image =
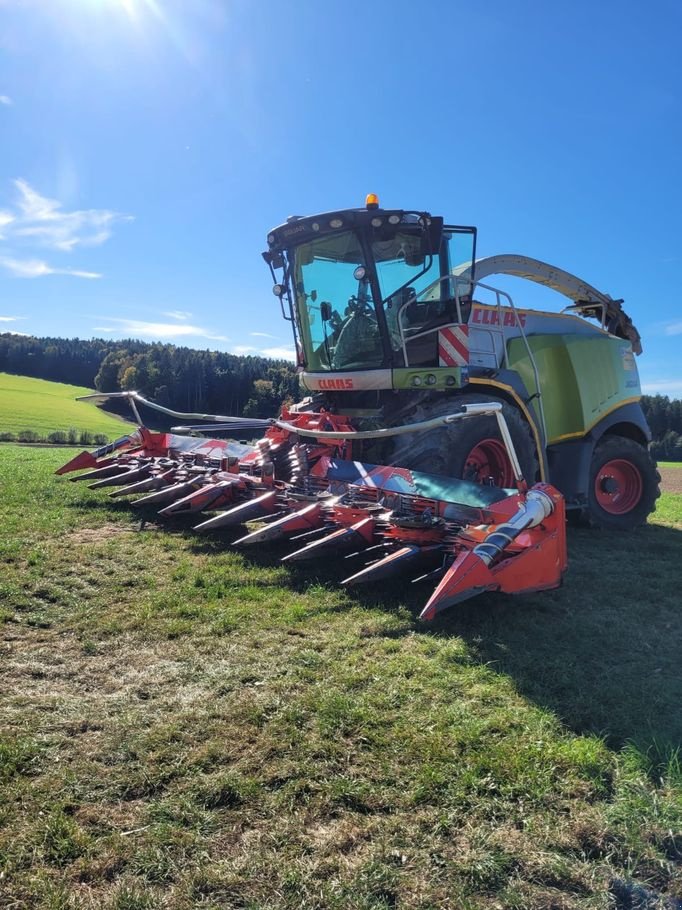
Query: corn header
[{"x": 301, "y": 486}]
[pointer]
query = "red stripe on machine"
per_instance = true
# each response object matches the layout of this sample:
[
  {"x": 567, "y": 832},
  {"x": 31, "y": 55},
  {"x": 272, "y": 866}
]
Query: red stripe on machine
[{"x": 453, "y": 346}]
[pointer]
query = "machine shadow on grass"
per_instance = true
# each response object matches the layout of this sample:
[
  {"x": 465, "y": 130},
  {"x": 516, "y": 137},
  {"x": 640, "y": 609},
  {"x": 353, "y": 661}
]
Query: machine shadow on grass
[{"x": 602, "y": 652}]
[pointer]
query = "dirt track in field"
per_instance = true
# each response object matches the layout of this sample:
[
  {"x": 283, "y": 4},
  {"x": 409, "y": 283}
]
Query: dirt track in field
[{"x": 671, "y": 480}]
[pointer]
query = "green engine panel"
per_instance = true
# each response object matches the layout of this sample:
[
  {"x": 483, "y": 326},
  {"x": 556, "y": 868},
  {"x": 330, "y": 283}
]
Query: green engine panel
[{"x": 581, "y": 378}]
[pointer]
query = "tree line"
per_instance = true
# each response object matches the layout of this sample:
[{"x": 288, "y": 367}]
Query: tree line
[
  {"x": 215, "y": 382},
  {"x": 182, "y": 378},
  {"x": 664, "y": 416}
]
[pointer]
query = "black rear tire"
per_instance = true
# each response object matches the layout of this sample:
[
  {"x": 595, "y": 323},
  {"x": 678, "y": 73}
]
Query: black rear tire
[{"x": 623, "y": 484}]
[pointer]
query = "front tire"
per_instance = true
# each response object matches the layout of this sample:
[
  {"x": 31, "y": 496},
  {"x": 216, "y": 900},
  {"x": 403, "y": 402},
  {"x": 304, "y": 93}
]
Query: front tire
[
  {"x": 623, "y": 484},
  {"x": 472, "y": 448}
]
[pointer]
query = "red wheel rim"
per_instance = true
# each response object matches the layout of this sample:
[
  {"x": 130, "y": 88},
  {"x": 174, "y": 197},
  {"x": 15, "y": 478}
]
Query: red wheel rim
[
  {"x": 618, "y": 486},
  {"x": 488, "y": 462}
]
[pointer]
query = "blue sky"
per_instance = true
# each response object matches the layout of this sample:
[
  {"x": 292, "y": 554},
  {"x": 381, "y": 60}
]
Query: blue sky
[{"x": 149, "y": 145}]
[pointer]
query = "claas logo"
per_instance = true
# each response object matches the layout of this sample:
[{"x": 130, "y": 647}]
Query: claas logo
[
  {"x": 342, "y": 384},
  {"x": 483, "y": 316}
]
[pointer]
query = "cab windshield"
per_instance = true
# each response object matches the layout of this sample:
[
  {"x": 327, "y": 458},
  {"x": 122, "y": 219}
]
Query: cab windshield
[{"x": 336, "y": 311}]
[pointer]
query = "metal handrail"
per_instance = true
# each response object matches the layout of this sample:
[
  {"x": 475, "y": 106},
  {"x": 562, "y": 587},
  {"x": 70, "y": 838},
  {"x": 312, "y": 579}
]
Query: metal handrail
[
  {"x": 431, "y": 287},
  {"x": 499, "y": 295}
]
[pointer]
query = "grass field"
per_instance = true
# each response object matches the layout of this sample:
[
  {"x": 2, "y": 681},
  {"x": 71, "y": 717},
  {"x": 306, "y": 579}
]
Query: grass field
[
  {"x": 41, "y": 406},
  {"x": 181, "y": 726}
]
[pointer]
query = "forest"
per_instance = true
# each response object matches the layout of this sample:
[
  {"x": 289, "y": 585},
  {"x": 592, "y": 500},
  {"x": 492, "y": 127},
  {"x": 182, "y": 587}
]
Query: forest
[
  {"x": 183, "y": 378},
  {"x": 216, "y": 382}
]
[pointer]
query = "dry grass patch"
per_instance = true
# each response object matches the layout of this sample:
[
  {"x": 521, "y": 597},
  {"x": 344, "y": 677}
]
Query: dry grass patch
[
  {"x": 671, "y": 479},
  {"x": 96, "y": 535}
]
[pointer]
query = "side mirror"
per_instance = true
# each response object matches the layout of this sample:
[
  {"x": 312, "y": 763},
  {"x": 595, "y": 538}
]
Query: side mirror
[
  {"x": 325, "y": 311},
  {"x": 432, "y": 236},
  {"x": 417, "y": 259}
]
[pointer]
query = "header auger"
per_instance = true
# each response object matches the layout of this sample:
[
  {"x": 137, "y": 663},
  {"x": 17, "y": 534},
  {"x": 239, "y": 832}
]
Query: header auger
[
  {"x": 302, "y": 486},
  {"x": 446, "y": 430}
]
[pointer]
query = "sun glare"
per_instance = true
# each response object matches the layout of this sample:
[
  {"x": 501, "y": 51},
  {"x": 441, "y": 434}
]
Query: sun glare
[
  {"x": 148, "y": 19},
  {"x": 132, "y": 8}
]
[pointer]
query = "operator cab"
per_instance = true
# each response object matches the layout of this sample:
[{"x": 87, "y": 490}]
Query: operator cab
[{"x": 366, "y": 287}]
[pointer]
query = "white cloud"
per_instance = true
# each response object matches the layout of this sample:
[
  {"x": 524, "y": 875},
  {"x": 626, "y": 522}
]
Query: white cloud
[
  {"x": 138, "y": 328},
  {"x": 6, "y": 100},
  {"x": 44, "y": 220},
  {"x": 279, "y": 353},
  {"x": 261, "y": 335},
  {"x": 181, "y": 315},
  {"x": 36, "y": 268},
  {"x": 5, "y": 219},
  {"x": 11, "y": 318},
  {"x": 673, "y": 328},
  {"x": 38, "y": 221},
  {"x": 663, "y": 387}
]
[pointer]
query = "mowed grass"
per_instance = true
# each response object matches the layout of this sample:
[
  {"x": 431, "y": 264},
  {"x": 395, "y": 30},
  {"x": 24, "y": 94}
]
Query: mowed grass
[
  {"x": 36, "y": 404},
  {"x": 182, "y": 726}
]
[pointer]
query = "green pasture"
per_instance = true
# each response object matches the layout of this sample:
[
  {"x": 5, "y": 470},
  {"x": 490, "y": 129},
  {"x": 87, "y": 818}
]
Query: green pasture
[
  {"x": 183, "y": 726},
  {"x": 43, "y": 407}
]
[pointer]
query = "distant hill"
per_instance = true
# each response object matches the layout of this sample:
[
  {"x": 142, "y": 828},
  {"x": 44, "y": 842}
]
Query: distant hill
[{"x": 42, "y": 407}]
